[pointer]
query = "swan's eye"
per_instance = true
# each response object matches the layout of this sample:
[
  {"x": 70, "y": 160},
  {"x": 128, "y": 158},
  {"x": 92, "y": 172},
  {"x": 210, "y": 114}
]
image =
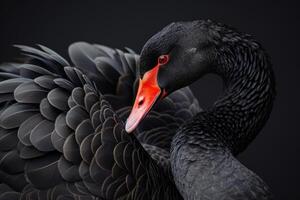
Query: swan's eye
[{"x": 163, "y": 59}]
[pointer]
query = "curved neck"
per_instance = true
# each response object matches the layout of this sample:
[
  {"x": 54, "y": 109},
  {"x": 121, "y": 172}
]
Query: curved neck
[
  {"x": 243, "y": 109},
  {"x": 206, "y": 144},
  {"x": 248, "y": 98}
]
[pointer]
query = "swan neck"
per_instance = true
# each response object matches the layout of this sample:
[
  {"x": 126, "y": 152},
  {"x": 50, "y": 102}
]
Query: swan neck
[
  {"x": 204, "y": 148},
  {"x": 248, "y": 98}
]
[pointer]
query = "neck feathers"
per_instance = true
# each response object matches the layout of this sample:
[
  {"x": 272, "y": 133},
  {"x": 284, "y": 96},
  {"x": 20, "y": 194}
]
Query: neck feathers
[
  {"x": 203, "y": 149},
  {"x": 248, "y": 98},
  {"x": 238, "y": 116}
]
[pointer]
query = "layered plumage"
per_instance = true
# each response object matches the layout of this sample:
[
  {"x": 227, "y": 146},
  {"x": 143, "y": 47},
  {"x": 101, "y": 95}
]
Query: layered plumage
[{"x": 62, "y": 132}]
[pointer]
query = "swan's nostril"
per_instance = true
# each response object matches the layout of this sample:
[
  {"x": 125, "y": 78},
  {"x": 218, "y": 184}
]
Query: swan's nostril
[{"x": 141, "y": 101}]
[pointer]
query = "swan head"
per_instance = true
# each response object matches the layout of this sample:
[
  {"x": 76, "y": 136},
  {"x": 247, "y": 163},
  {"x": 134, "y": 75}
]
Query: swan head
[{"x": 171, "y": 59}]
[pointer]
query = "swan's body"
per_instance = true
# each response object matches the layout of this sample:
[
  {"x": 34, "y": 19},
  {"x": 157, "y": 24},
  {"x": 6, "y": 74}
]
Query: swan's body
[
  {"x": 62, "y": 130},
  {"x": 60, "y": 138}
]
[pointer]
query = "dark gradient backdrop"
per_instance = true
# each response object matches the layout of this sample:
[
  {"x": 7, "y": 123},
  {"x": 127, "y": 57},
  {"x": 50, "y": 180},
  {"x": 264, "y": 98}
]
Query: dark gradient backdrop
[{"x": 274, "y": 155}]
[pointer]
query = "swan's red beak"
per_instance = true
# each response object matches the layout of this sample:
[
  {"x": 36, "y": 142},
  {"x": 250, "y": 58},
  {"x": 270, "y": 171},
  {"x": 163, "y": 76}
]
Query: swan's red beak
[{"x": 148, "y": 93}]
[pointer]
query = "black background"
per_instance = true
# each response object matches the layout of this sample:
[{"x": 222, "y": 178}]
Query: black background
[{"x": 274, "y": 154}]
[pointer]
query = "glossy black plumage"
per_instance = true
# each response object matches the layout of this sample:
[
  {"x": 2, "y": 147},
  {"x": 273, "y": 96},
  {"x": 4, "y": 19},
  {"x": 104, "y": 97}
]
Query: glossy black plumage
[
  {"x": 69, "y": 120},
  {"x": 203, "y": 149},
  {"x": 62, "y": 131}
]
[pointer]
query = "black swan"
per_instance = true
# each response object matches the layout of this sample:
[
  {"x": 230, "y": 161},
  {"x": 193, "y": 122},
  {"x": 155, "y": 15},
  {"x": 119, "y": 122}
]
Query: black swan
[{"x": 62, "y": 134}]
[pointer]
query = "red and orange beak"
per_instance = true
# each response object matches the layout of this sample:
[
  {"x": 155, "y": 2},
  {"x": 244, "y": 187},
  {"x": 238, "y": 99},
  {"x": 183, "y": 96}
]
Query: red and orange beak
[{"x": 148, "y": 93}]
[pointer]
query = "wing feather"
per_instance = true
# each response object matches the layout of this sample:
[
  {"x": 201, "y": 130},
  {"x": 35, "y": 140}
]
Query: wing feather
[{"x": 62, "y": 132}]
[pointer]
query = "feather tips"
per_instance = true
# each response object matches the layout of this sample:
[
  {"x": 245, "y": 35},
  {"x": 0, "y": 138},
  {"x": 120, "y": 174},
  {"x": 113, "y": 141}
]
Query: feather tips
[{"x": 62, "y": 121}]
